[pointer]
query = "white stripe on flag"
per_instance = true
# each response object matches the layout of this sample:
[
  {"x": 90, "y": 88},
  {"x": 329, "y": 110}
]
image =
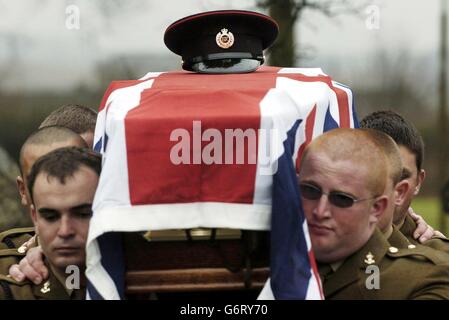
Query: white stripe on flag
[
  {"x": 151, "y": 75},
  {"x": 113, "y": 188},
  {"x": 180, "y": 215},
  {"x": 266, "y": 293},
  {"x": 97, "y": 275},
  {"x": 311, "y": 72}
]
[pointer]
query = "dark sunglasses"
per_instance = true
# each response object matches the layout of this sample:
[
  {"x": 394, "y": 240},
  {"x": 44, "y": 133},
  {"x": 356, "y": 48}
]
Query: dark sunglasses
[{"x": 338, "y": 199}]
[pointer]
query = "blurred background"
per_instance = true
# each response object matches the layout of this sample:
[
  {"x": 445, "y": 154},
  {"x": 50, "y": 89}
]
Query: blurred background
[{"x": 391, "y": 53}]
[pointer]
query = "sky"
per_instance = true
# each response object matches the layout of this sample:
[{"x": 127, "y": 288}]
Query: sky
[{"x": 40, "y": 49}]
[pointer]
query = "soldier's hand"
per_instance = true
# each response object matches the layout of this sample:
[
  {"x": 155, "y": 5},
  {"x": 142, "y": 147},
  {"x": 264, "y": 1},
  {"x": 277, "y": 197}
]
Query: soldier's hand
[
  {"x": 30, "y": 267},
  {"x": 439, "y": 234},
  {"x": 423, "y": 231},
  {"x": 30, "y": 242}
]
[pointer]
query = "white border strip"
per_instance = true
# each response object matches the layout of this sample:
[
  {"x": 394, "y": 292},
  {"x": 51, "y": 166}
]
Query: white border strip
[{"x": 180, "y": 216}]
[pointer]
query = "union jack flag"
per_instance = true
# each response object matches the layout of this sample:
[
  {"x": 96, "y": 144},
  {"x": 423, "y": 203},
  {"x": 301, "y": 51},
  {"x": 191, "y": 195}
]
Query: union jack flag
[{"x": 141, "y": 188}]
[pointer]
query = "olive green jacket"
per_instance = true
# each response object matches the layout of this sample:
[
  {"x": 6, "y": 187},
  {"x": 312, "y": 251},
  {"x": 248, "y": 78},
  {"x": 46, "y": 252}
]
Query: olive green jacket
[
  {"x": 438, "y": 243},
  {"x": 50, "y": 289},
  {"x": 417, "y": 273},
  {"x": 14, "y": 238}
]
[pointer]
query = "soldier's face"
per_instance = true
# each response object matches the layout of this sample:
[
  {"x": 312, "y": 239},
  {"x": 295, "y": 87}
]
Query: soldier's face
[
  {"x": 61, "y": 215},
  {"x": 338, "y": 232},
  {"x": 415, "y": 181},
  {"x": 33, "y": 152}
]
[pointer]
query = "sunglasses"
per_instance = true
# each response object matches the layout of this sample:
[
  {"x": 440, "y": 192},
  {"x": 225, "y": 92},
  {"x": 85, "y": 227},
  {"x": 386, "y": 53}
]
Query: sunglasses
[{"x": 338, "y": 199}]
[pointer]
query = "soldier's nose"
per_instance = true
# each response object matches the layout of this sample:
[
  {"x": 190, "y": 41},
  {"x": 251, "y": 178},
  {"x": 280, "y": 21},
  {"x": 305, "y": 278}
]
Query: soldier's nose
[
  {"x": 66, "y": 228},
  {"x": 322, "y": 209}
]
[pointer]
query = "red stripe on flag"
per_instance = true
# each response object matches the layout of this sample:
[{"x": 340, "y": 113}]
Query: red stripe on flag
[
  {"x": 174, "y": 101},
  {"x": 316, "y": 274},
  {"x": 343, "y": 107},
  {"x": 310, "y": 124}
]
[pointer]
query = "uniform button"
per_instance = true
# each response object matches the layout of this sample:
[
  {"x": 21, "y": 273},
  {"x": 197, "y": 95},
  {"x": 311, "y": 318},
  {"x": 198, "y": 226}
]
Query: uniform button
[
  {"x": 411, "y": 246},
  {"x": 22, "y": 249},
  {"x": 393, "y": 249}
]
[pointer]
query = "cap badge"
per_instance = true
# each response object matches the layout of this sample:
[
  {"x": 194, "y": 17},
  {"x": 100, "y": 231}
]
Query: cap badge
[{"x": 224, "y": 39}]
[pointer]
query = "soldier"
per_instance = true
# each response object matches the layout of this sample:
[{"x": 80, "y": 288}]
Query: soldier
[
  {"x": 411, "y": 149},
  {"x": 342, "y": 183},
  {"x": 36, "y": 145},
  {"x": 62, "y": 185},
  {"x": 77, "y": 118},
  {"x": 397, "y": 190}
]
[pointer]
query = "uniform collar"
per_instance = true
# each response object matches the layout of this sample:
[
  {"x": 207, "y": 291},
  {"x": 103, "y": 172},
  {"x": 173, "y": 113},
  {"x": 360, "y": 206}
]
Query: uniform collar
[
  {"x": 397, "y": 239},
  {"x": 51, "y": 289},
  {"x": 373, "y": 251},
  {"x": 54, "y": 287},
  {"x": 408, "y": 227}
]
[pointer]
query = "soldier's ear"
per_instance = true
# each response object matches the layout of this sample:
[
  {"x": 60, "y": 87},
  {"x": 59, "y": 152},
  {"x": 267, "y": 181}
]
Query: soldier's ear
[
  {"x": 378, "y": 208},
  {"x": 33, "y": 215},
  {"x": 421, "y": 178},
  {"x": 22, "y": 190},
  {"x": 400, "y": 191}
]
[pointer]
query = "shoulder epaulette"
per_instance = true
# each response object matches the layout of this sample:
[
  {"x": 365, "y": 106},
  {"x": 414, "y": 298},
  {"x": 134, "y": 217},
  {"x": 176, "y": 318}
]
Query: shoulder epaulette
[
  {"x": 418, "y": 252},
  {"x": 7, "y": 236}
]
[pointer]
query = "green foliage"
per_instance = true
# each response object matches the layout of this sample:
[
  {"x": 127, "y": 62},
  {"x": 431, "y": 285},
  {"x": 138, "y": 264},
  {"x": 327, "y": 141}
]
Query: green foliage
[
  {"x": 430, "y": 209},
  {"x": 21, "y": 114}
]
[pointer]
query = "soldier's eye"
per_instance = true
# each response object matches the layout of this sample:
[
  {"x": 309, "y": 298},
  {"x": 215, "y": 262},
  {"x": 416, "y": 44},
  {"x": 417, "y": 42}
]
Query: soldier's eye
[
  {"x": 50, "y": 217},
  {"x": 84, "y": 214}
]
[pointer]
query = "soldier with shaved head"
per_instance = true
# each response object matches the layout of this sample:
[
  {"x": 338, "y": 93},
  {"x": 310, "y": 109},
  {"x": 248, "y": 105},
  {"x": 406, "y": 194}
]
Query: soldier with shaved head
[
  {"x": 343, "y": 181},
  {"x": 77, "y": 118},
  {"x": 36, "y": 145}
]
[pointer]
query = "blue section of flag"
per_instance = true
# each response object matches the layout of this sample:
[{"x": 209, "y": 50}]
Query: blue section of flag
[
  {"x": 106, "y": 138},
  {"x": 354, "y": 116},
  {"x": 290, "y": 266},
  {"x": 98, "y": 145},
  {"x": 329, "y": 121},
  {"x": 112, "y": 261}
]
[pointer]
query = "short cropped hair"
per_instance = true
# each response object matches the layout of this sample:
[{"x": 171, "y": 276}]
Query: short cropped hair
[
  {"x": 78, "y": 118},
  {"x": 355, "y": 145},
  {"x": 402, "y": 131},
  {"x": 391, "y": 151},
  {"x": 48, "y": 136},
  {"x": 63, "y": 163}
]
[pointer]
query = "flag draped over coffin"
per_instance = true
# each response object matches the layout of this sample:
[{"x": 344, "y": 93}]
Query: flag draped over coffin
[{"x": 172, "y": 160}]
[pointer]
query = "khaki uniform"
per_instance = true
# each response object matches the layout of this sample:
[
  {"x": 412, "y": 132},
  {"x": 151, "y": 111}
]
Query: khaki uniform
[
  {"x": 438, "y": 243},
  {"x": 12, "y": 251},
  {"x": 14, "y": 238},
  {"x": 411, "y": 273},
  {"x": 52, "y": 288}
]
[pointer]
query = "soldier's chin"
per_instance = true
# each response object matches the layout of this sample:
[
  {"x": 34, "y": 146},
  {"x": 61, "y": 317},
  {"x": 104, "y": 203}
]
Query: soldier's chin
[
  {"x": 324, "y": 253},
  {"x": 64, "y": 262}
]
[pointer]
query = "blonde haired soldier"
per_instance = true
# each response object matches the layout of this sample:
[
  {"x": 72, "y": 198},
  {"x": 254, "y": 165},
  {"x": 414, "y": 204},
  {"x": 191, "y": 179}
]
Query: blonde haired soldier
[{"x": 342, "y": 180}]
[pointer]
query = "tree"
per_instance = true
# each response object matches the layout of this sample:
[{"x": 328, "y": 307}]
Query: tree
[{"x": 288, "y": 12}]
